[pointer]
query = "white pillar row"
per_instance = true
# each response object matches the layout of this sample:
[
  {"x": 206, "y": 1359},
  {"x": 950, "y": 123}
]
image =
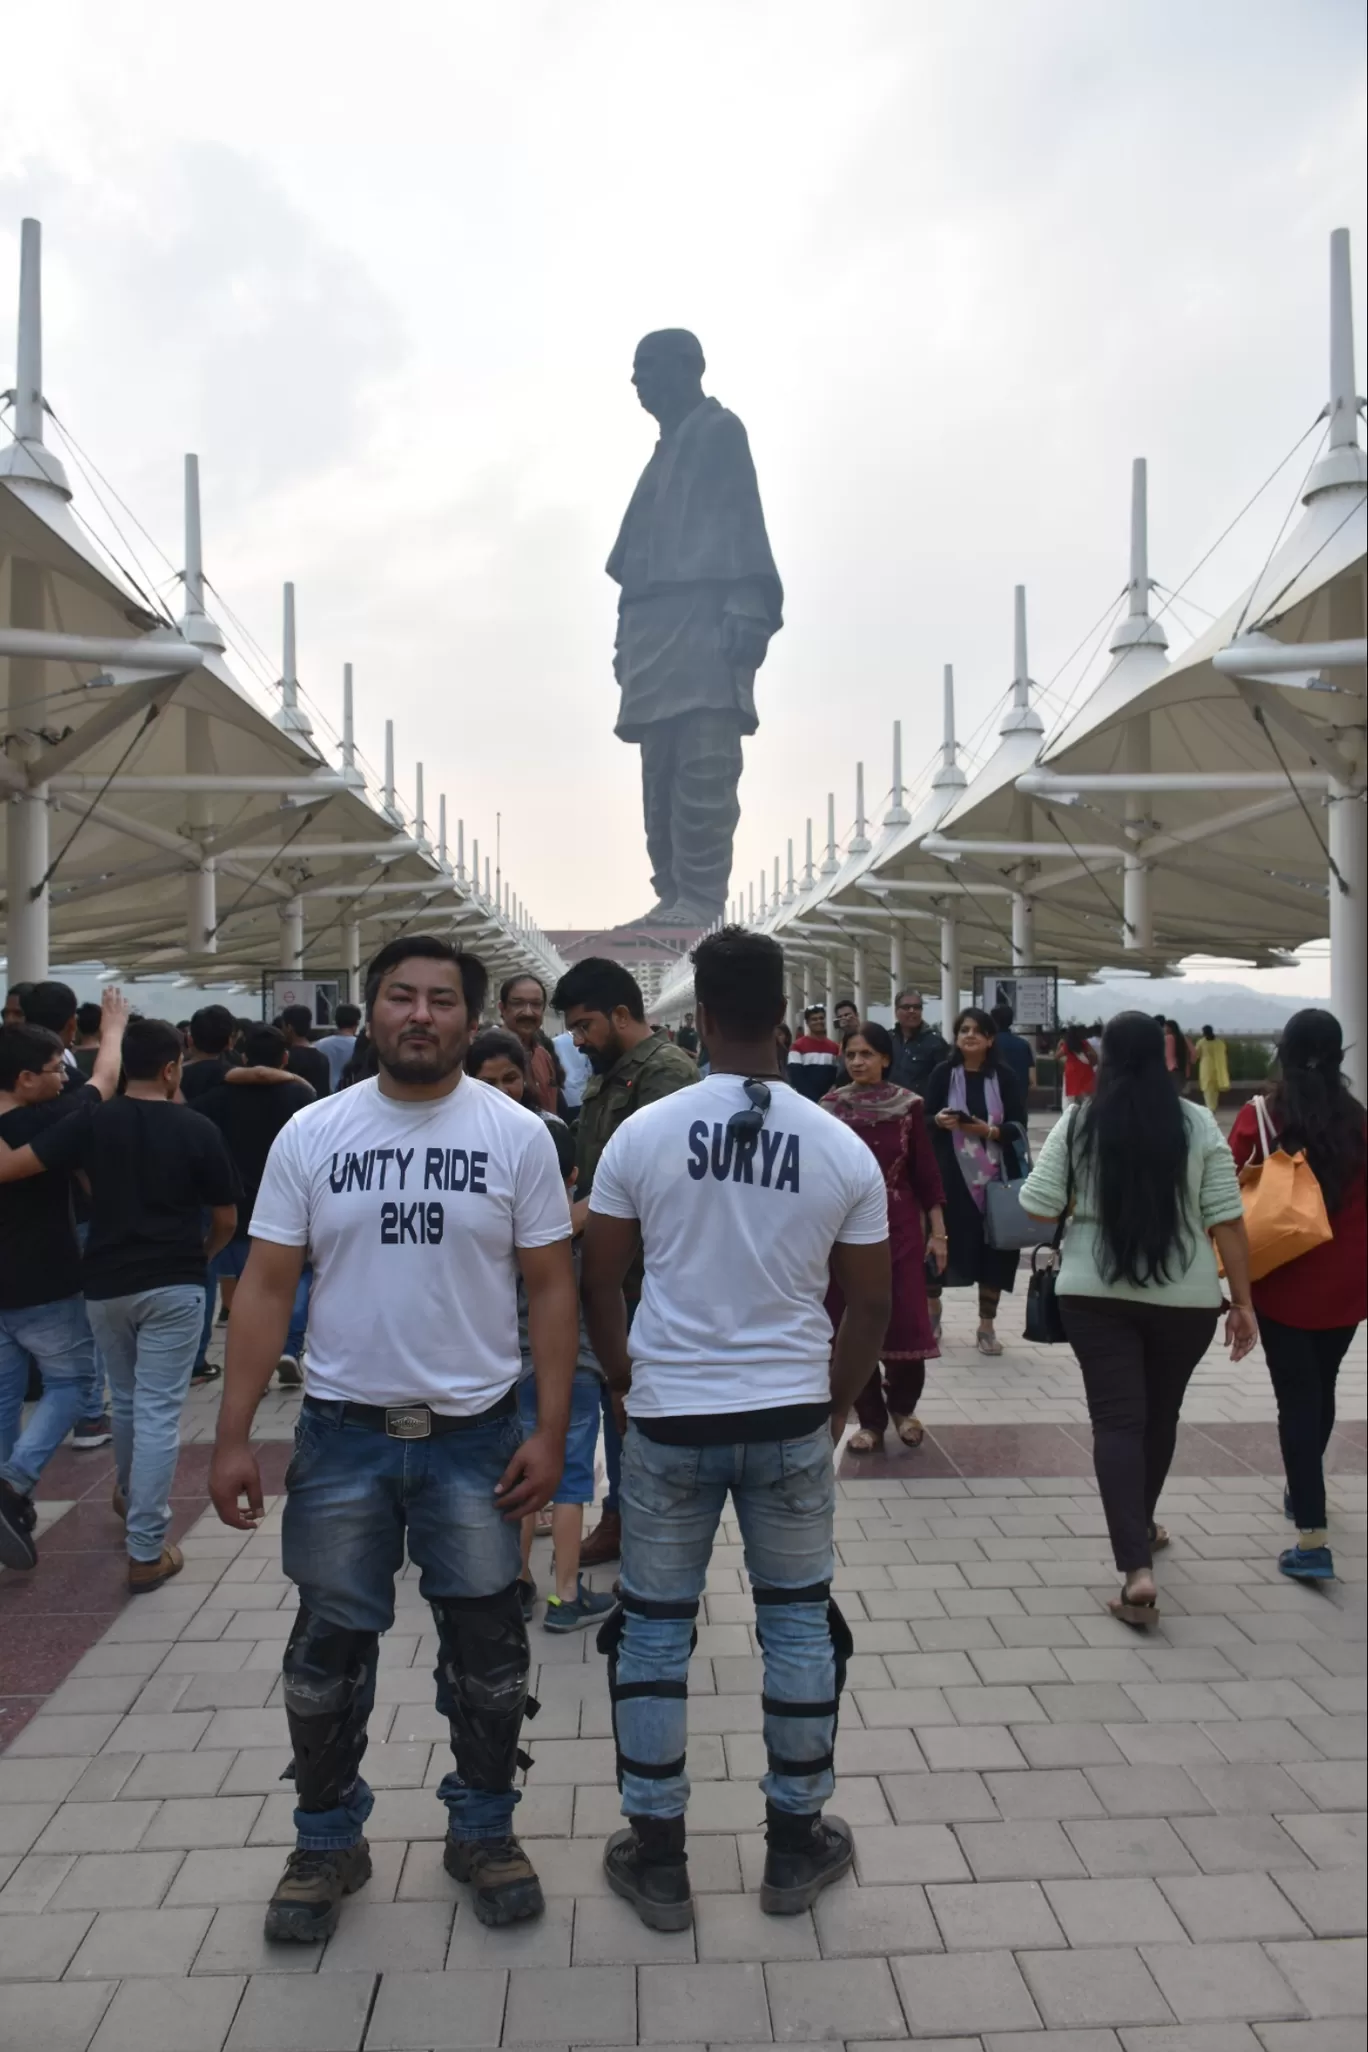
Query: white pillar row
[
  {"x": 351, "y": 958},
  {"x": 895, "y": 966},
  {"x": 201, "y": 909},
  {"x": 1348, "y": 912},
  {"x": 829, "y": 988},
  {"x": 857, "y": 973},
  {"x": 291, "y": 934},
  {"x": 1023, "y": 930},
  {"x": 950, "y": 973},
  {"x": 28, "y": 921}
]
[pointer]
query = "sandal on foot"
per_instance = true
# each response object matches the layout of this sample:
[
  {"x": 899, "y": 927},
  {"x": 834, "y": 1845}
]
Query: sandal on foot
[
  {"x": 988, "y": 1341},
  {"x": 1140, "y": 1612},
  {"x": 910, "y": 1430},
  {"x": 1158, "y": 1538},
  {"x": 865, "y": 1442}
]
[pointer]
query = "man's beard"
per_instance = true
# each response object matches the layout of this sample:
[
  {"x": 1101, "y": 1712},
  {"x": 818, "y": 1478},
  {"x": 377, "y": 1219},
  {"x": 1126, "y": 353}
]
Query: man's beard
[
  {"x": 602, "y": 1059},
  {"x": 425, "y": 1061}
]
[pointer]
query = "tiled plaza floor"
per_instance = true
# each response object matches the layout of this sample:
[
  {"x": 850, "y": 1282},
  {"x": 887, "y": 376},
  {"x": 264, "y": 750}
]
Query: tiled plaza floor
[{"x": 1064, "y": 1832}]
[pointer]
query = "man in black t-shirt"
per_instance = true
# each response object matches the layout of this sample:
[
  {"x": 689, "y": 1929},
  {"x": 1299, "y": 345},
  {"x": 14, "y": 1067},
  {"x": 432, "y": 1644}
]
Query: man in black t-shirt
[
  {"x": 210, "y": 1057},
  {"x": 42, "y": 1313},
  {"x": 303, "y": 1058},
  {"x": 155, "y": 1167},
  {"x": 249, "y": 1112}
]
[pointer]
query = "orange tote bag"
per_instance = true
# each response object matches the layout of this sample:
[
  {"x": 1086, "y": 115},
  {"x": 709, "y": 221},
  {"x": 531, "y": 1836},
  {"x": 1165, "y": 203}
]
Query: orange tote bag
[{"x": 1284, "y": 1208}]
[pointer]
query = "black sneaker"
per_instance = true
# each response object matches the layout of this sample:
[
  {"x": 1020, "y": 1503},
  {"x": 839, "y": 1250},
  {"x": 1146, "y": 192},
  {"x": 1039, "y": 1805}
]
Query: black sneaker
[
  {"x": 88, "y": 1433},
  {"x": 308, "y": 1898},
  {"x": 647, "y": 1866},
  {"x": 17, "y": 1520},
  {"x": 505, "y": 1882},
  {"x": 804, "y": 1856}
]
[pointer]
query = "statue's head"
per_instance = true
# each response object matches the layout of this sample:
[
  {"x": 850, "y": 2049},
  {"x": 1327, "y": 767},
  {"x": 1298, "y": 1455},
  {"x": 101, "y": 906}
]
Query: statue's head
[{"x": 667, "y": 371}]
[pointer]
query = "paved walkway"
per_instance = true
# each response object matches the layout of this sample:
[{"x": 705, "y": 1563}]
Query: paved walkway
[{"x": 1152, "y": 1844}]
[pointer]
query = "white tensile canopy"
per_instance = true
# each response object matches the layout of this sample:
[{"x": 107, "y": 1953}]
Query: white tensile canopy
[{"x": 158, "y": 819}]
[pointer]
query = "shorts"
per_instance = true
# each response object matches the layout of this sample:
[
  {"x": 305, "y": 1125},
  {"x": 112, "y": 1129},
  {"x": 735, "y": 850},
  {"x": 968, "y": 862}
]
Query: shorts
[{"x": 576, "y": 1484}]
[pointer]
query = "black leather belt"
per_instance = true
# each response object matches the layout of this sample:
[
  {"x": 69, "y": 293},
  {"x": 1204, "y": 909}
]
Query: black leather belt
[{"x": 410, "y": 1421}]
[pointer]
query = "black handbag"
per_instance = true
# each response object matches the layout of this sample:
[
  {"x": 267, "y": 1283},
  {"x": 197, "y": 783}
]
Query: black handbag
[{"x": 1044, "y": 1320}]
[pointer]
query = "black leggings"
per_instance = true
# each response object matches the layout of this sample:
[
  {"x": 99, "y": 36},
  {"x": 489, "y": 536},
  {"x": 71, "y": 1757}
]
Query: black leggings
[
  {"x": 1303, "y": 1367},
  {"x": 1137, "y": 1361}
]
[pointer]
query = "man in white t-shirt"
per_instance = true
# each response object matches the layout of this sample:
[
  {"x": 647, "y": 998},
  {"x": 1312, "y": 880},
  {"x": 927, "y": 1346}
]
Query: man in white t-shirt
[
  {"x": 419, "y": 1197},
  {"x": 744, "y": 1198}
]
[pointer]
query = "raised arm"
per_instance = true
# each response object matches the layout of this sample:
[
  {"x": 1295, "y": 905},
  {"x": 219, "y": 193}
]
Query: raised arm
[{"x": 104, "y": 1075}]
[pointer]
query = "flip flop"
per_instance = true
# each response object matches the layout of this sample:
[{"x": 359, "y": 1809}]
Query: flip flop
[
  {"x": 865, "y": 1442},
  {"x": 1141, "y": 1613}
]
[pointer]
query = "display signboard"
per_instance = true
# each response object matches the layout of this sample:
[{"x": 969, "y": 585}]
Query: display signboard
[
  {"x": 322, "y": 994},
  {"x": 1032, "y": 993}
]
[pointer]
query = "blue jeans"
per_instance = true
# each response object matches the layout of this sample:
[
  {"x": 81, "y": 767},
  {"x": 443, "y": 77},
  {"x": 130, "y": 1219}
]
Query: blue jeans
[
  {"x": 96, "y": 1395},
  {"x": 230, "y": 1261},
  {"x": 59, "y": 1339},
  {"x": 148, "y": 1341},
  {"x": 353, "y": 1496},
  {"x": 672, "y": 1503}
]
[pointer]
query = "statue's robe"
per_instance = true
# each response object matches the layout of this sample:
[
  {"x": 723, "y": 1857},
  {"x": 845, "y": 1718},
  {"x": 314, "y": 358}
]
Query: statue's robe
[{"x": 692, "y": 545}]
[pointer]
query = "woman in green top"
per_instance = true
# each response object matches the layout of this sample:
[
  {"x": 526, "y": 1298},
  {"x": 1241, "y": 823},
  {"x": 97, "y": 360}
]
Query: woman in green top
[{"x": 1138, "y": 1286}]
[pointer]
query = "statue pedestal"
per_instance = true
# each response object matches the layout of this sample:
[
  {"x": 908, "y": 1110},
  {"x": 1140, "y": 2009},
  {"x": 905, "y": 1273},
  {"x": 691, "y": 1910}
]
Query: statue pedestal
[{"x": 649, "y": 951}]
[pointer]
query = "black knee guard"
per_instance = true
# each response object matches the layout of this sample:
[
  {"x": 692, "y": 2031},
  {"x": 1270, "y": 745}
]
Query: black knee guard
[
  {"x": 608, "y": 1640},
  {"x": 842, "y": 1646},
  {"x": 482, "y": 1668},
  {"x": 329, "y": 1689}
]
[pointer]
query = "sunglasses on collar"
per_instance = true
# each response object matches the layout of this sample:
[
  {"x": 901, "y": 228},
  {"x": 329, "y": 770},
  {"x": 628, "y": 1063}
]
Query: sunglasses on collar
[{"x": 749, "y": 1120}]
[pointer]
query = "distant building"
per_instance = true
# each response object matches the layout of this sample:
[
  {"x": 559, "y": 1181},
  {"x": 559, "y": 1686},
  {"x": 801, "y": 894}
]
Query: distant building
[{"x": 649, "y": 952}]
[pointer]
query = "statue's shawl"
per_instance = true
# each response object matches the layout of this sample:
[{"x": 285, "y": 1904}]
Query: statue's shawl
[{"x": 701, "y": 502}]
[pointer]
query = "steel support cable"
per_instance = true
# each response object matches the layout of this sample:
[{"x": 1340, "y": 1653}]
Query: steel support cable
[
  {"x": 1277, "y": 539},
  {"x": 36, "y": 890},
  {"x": 306, "y": 819},
  {"x": 1260, "y": 720},
  {"x": 1112, "y": 907}
]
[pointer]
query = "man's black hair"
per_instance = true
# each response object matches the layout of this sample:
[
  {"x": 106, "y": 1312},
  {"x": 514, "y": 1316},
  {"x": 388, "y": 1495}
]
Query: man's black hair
[
  {"x": 50, "y": 1004},
  {"x": 1002, "y": 1017},
  {"x": 25, "y": 1049},
  {"x": 849, "y": 1003},
  {"x": 88, "y": 1019},
  {"x": 600, "y": 986},
  {"x": 148, "y": 1045},
  {"x": 493, "y": 1041},
  {"x": 428, "y": 947},
  {"x": 347, "y": 1015},
  {"x": 19, "y": 991},
  {"x": 812, "y": 1011},
  {"x": 739, "y": 981},
  {"x": 211, "y": 1029},
  {"x": 299, "y": 1019},
  {"x": 263, "y": 1047},
  {"x": 511, "y": 982}
]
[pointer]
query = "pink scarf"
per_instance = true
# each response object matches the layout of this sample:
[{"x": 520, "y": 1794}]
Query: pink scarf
[{"x": 979, "y": 1161}]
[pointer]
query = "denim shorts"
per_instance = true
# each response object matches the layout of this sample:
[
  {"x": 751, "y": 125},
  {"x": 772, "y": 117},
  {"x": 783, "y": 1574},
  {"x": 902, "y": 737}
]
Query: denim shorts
[{"x": 581, "y": 1440}]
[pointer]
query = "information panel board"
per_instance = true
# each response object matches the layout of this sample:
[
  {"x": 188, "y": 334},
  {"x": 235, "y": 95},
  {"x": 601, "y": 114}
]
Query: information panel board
[{"x": 1032, "y": 993}]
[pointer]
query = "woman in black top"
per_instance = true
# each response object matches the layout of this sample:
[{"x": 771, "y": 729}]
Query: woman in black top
[{"x": 974, "y": 1105}]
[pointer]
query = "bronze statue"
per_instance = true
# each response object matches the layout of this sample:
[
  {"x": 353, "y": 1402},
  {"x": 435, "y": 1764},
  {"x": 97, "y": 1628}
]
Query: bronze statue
[{"x": 700, "y": 599}]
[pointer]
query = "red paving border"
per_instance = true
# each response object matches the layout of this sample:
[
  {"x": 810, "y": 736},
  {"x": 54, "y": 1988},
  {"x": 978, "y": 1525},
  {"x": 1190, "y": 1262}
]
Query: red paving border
[{"x": 50, "y": 1618}]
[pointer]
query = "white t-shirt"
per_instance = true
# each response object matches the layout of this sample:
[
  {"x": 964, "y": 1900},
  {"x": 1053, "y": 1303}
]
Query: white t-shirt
[
  {"x": 411, "y": 1213},
  {"x": 736, "y": 1241}
]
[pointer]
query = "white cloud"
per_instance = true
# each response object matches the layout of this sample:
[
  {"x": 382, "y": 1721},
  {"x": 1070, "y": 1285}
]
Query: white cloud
[{"x": 953, "y": 268}]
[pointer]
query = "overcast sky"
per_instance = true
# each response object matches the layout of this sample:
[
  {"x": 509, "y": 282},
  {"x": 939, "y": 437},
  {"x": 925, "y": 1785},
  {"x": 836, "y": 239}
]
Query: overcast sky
[{"x": 953, "y": 266}]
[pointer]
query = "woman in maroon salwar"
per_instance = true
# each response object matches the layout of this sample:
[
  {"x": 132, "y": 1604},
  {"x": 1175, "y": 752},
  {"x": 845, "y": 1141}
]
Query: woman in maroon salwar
[{"x": 889, "y": 1119}]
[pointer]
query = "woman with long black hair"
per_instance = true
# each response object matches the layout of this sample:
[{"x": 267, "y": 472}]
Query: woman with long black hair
[
  {"x": 1138, "y": 1288},
  {"x": 977, "y": 1109},
  {"x": 1309, "y": 1309}
]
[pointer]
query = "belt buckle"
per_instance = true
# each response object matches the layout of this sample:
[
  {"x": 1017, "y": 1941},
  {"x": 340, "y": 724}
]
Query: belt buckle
[{"x": 408, "y": 1421}]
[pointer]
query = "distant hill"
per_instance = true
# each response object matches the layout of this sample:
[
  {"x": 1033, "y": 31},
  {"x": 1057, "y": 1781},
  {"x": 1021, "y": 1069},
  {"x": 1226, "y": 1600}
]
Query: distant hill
[{"x": 1229, "y": 1007}]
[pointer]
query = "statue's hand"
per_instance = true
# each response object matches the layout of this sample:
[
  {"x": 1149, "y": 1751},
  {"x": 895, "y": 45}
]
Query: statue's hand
[{"x": 744, "y": 640}]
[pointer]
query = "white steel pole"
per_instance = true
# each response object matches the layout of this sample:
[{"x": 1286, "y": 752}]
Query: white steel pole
[
  {"x": 950, "y": 973},
  {"x": 1137, "y": 896},
  {"x": 1023, "y": 930},
  {"x": 194, "y": 542},
  {"x": 291, "y": 718},
  {"x": 420, "y": 824},
  {"x": 460, "y": 851},
  {"x": 348, "y": 720},
  {"x": 201, "y": 909},
  {"x": 28, "y": 923},
  {"x": 1348, "y": 923},
  {"x": 28, "y": 396},
  {"x": 292, "y": 934},
  {"x": 895, "y": 965},
  {"x": 1343, "y": 398},
  {"x": 830, "y": 866},
  {"x": 351, "y": 958},
  {"x": 442, "y": 831},
  {"x": 808, "y": 871},
  {"x": 857, "y": 977},
  {"x": 829, "y": 989},
  {"x": 387, "y": 794}
]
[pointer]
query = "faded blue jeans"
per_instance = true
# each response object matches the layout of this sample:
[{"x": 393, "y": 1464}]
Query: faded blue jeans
[
  {"x": 148, "y": 1341},
  {"x": 59, "y": 1339},
  {"x": 672, "y": 1503},
  {"x": 353, "y": 1497}
]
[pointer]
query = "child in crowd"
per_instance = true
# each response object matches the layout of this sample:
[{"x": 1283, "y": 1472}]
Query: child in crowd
[{"x": 498, "y": 1058}]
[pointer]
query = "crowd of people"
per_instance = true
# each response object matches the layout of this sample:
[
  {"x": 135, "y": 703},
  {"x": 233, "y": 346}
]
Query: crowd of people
[{"x": 487, "y": 1253}]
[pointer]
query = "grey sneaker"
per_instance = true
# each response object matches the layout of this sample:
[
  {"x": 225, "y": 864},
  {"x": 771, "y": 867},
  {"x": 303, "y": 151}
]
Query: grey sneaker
[{"x": 588, "y": 1608}]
